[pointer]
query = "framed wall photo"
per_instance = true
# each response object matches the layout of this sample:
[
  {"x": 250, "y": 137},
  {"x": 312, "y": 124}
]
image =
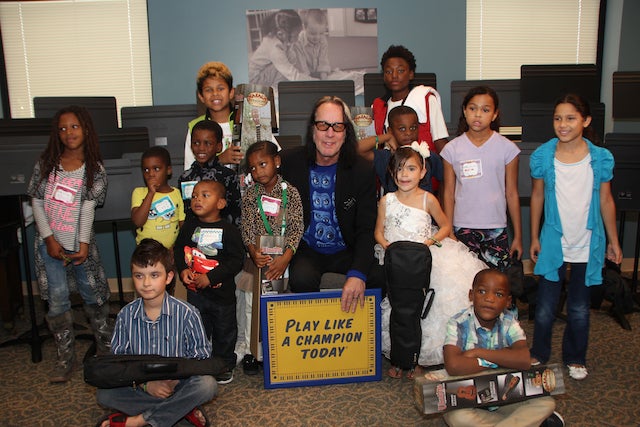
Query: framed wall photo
[{"x": 366, "y": 15}]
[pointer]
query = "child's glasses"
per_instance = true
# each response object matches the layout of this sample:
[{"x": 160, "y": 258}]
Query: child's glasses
[{"x": 323, "y": 126}]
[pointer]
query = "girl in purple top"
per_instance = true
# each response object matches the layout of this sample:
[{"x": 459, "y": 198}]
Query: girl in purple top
[{"x": 481, "y": 181}]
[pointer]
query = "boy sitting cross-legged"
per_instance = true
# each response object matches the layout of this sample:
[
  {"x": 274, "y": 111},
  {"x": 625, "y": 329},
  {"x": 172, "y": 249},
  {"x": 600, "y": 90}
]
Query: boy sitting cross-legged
[
  {"x": 157, "y": 323},
  {"x": 486, "y": 335}
]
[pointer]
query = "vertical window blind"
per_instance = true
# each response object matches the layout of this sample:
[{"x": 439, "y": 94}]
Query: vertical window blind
[
  {"x": 76, "y": 48},
  {"x": 502, "y": 35}
]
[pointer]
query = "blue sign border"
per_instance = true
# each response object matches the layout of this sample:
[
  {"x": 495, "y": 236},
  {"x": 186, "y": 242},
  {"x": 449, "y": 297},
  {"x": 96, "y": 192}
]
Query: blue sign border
[{"x": 265, "y": 299}]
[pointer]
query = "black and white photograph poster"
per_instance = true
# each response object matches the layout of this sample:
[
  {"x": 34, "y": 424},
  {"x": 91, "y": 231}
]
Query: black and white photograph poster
[{"x": 312, "y": 44}]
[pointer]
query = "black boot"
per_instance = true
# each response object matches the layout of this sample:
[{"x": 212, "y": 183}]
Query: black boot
[
  {"x": 61, "y": 327},
  {"x": 102, "y": 329}
]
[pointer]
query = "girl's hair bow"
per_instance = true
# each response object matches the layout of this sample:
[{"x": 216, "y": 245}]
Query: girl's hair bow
[{"x": 422, "y": 148}]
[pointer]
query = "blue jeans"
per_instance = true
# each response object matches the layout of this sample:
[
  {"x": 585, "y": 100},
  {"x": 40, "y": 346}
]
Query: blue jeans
[
  {"x": 189, "y": 393},
  {"x": 576, "y": 333},
  {"x": 220, "y": 325},
  {"x": 58, "y": 288}
]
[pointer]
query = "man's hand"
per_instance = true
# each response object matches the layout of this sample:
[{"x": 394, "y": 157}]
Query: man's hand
[{"x": 352, "y": 293}]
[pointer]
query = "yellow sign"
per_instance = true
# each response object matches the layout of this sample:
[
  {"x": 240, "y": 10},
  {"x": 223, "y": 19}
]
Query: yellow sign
[{"x": 309, "y": 340}]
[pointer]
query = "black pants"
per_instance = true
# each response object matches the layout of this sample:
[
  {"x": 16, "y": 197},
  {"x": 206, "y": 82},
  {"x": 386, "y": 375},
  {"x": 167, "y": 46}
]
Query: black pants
[
  {"x": 308, "y": 266},
  {"x": 220, "y": 325}
]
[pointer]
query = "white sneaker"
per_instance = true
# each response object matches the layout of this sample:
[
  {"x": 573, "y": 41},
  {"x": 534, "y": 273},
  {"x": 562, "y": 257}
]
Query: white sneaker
[{"x": 577, "y": 372}]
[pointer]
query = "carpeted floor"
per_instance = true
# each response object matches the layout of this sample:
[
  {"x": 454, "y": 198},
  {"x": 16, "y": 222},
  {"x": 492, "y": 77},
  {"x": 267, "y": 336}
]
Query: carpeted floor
[{"x": 610, "y": 396}]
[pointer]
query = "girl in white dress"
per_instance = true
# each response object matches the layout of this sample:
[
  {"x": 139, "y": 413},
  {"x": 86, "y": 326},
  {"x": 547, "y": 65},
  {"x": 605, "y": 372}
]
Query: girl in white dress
[{"x": 407, "y": 215}]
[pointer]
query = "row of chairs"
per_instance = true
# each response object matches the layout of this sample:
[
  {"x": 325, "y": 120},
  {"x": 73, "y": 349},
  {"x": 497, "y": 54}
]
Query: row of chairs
[{"x": 525, "y": 103}]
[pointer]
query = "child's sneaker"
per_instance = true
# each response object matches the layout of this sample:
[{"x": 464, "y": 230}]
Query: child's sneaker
[
  {"x": 577, "y": 372},
  {"x": 225, "y": 377},
  {"x": 554, "y": 420},
  {"x": 250, "y": 365}
]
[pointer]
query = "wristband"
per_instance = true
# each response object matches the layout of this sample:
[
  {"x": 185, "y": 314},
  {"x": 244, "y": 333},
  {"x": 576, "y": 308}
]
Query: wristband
[
  {"x": 144, "y": 387},
  {"x": 377, "y": 141},
  {"x": 435, "y": 241},
  {"x": 485, "y": 363}
]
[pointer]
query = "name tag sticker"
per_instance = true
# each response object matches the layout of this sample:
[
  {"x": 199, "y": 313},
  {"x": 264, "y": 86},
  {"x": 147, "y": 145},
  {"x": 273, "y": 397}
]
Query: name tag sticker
[
  {"x": 209, "y": 236},
  {"x": 63, "y": 194},
  {"x": 270, "y": 205},
  {"x": 163, "y": 206},
  {"x": 187, "y": 189},
  {"x": 471, "y": 169}
]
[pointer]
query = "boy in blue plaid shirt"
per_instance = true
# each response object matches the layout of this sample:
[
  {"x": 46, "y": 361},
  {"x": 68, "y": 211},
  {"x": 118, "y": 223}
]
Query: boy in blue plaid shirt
[{"x": 486, "y": 335}]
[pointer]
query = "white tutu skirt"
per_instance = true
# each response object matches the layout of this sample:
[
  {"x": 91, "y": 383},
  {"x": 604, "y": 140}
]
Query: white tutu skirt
[{"x": 452, "y": 272}]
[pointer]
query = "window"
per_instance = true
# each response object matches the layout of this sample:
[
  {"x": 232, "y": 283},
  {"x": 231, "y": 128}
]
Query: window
[
  {"x": 76, "y": 48},
  {"x": 502, "y": 35}
]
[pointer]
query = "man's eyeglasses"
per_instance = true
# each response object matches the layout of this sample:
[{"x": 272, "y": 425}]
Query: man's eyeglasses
[{"x": 337, "y": 126}]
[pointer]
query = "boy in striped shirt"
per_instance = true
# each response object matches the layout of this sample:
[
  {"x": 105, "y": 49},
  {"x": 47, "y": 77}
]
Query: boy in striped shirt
[{"x": 157, "y": 323}]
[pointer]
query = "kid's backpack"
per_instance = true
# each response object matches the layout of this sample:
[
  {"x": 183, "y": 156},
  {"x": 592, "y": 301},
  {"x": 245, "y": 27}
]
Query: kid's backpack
[
  {"x": 615, "y": 289},
  {"x": 408, "y": 272}
]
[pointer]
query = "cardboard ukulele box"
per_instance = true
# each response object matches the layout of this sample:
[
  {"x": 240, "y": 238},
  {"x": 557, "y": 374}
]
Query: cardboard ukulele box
[
  {"x": 272, "y": 246},
  {"x": 437, "y": 391}
]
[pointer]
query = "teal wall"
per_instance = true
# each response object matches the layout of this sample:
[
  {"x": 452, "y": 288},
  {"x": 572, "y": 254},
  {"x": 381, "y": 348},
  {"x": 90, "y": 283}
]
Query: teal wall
[{"x": 184, "y": 35}]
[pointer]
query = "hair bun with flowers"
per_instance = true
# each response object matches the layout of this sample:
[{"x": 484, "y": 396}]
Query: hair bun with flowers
[{"x": 422, "y": 148}]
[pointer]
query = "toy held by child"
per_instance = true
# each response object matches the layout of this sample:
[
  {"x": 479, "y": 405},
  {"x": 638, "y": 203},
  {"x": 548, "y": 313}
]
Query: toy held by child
[
  {"x": 158, "y": 324},
  {"x": 487, "y": 335},
  {"x": 271, "y": 207},
  {"x": 68, "y": 183},
  {"x": 408, "y": 215},
  {"x": 198, "y": 262},
  {"x": 571, "y": 180},
  {"x": 157, "y": 210},
  {"x": 481, "y": 170},
  {"x": 213, "y": 292}
]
